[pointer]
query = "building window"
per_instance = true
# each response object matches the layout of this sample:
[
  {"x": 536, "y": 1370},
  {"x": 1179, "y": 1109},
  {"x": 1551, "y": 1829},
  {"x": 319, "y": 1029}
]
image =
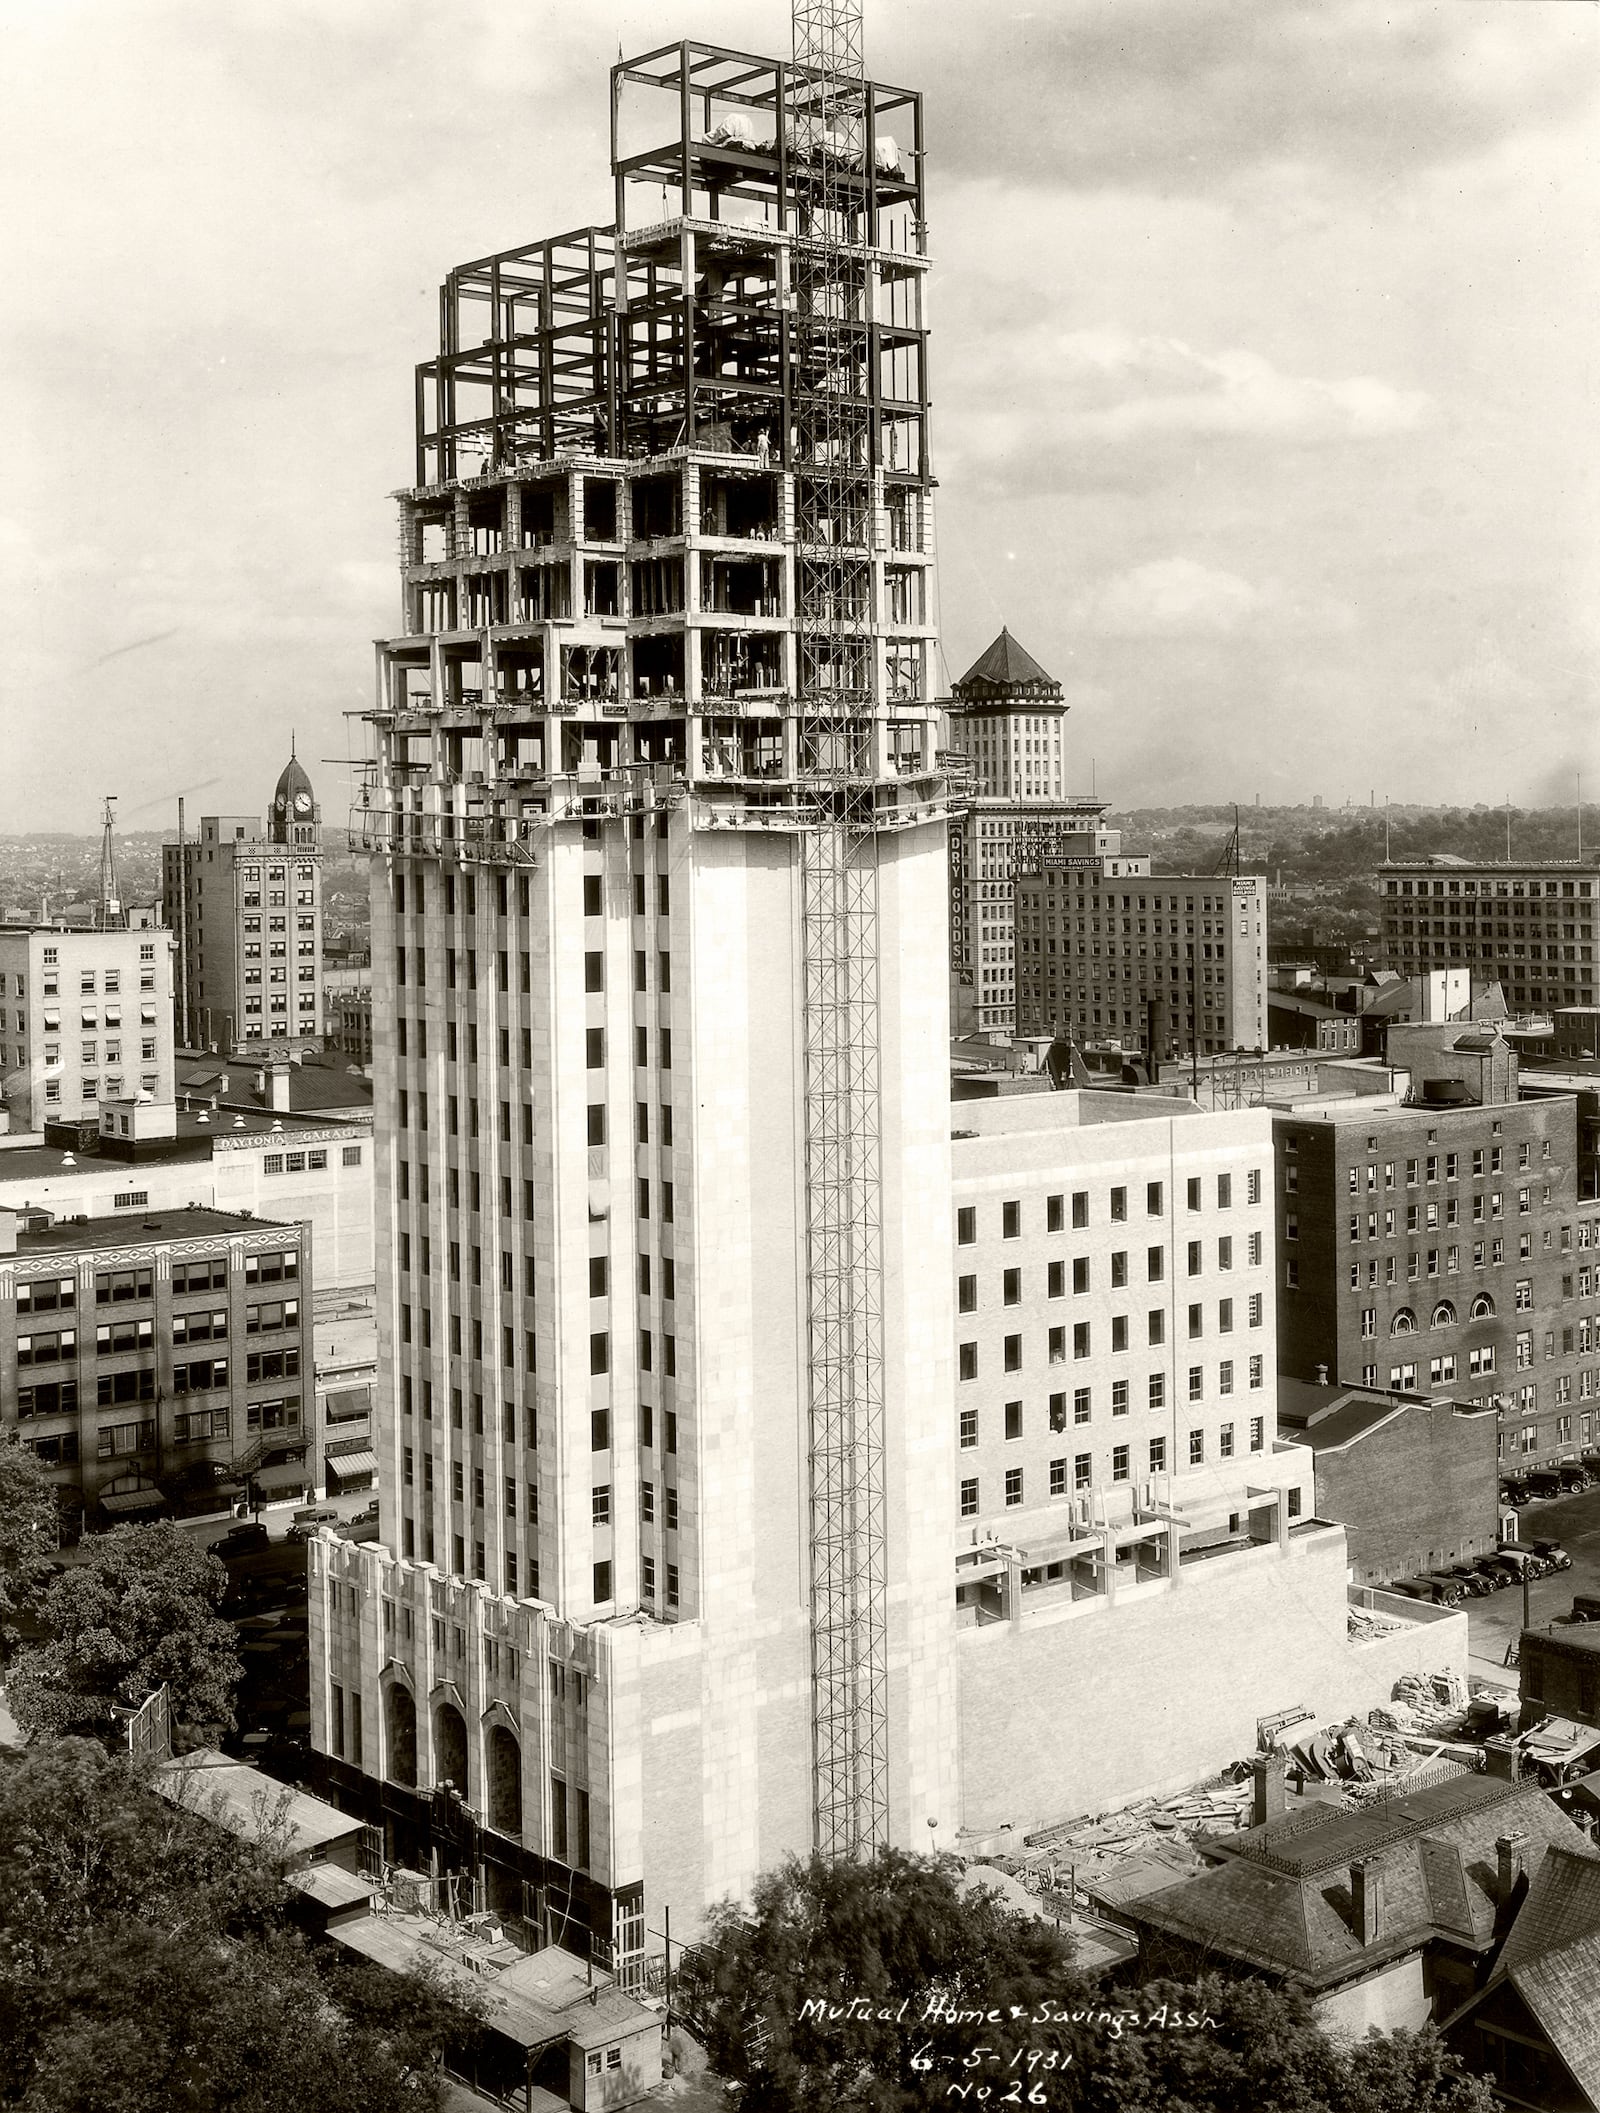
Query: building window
[
  {"x": 969, "y": 1498},
  {"x": 1013, "y": 1485}
]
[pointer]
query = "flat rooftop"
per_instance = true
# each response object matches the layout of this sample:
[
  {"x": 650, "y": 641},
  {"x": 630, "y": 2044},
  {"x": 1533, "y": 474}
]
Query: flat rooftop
[
  {"x": 1072, "y": 1108},
  {"x": 139, "y": 1229}
]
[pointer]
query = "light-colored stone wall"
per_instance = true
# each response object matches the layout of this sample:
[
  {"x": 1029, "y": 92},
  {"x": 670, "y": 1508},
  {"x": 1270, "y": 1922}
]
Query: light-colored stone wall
[{"x": 1081, "y": 1708}]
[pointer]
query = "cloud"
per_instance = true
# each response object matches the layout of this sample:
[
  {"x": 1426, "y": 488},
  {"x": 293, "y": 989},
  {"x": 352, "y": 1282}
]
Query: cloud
[
  {"x": 1060, "y": 401},
  {"x": 1148, "y": 94},
  {"x": 1183, "y": 597}
]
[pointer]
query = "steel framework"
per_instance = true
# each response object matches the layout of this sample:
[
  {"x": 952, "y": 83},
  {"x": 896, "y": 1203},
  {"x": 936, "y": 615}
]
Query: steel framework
[{"x": 839, "y": 870}]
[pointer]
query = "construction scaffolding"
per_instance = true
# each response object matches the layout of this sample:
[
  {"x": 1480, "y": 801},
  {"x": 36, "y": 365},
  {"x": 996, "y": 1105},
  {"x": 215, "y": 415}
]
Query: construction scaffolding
[{"x": 833, "y": 497}]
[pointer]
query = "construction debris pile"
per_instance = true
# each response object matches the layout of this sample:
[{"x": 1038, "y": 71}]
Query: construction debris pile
[{"x": 1427, "y": 1731}]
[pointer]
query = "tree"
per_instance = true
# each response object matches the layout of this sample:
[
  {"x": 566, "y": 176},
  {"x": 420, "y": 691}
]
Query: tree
[
  {"x": 140, "y": 1610},
  {"x": 869, "y": 1984},
  {"x": 146, "y": 1964},
  {"x": 881, "y": 1986},
  {"x": 29, "y": 1524}
]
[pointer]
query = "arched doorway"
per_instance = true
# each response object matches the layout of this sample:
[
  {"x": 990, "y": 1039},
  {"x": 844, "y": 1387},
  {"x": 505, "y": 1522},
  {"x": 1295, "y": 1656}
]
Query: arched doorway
[
  {"x": 401, "y": 1756},
  {"x": 505, "y": 1782},
  {"x": 450, "y": 1748}
]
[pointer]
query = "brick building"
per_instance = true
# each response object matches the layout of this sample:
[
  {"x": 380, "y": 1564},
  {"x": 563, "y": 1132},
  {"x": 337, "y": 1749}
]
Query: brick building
[
  {"x": 1529, "y": 928},
  {"x": 1412, "y": 1482},
  {"x": 1430, "y": 1241},
  {"x": 1560, "y": 1673},
  {"x": 1169, "y": 963},
  {"x": 160, "y": 1361}
]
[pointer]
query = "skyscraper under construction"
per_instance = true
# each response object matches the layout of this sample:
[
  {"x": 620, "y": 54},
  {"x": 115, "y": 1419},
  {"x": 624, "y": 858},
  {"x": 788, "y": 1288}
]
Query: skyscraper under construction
[{"x": 659, "y": 916}]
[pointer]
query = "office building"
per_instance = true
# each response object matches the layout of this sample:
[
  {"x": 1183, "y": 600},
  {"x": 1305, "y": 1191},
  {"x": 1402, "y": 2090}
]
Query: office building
[
  {"x": 670, "y": 1582},
  {"x": 1430, "y": 1238},
  {"x": 1168, "y": 965},
  {"x": 85, "y": 1017},
  {"x": 245, "y": 907},
  {"x": 649, "y": 628},
  {"x": 1529, "y": 928},
  {"x": 158, "y": 1363},
  {"x": 1008, "y": 720},
  {"x": 1141, "y": 1574}
]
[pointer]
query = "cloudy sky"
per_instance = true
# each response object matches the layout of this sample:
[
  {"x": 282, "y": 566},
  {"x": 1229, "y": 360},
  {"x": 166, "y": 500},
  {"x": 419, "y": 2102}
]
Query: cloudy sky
[{"x": 1264, "y": 368}]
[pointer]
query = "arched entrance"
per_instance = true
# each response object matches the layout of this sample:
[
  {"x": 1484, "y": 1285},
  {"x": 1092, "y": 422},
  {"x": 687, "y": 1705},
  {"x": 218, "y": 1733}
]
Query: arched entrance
[
  {"x": 505, "y": 1782},
  {"x": 450, "y": 1748},
  {"x": 400, "y": 1713}
]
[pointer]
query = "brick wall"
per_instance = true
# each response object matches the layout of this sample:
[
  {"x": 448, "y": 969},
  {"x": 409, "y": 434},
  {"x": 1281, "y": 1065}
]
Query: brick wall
[{"x": 1415, "y": 1493}]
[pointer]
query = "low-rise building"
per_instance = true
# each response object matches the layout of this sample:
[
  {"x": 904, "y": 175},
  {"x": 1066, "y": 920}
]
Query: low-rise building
[
  {"x": 1413, "y": 1482},
  {"x": 160, "y": 1362},
  {"x": 1383, "y": 1917},
  {"x": 1534, "y": 2028},
  {"x": 1559, "y": 1673}
]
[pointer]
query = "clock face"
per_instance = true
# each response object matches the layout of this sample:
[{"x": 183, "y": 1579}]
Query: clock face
[
  {"x": 280, "y": 803},
  {"x": 302, "y": 803}
]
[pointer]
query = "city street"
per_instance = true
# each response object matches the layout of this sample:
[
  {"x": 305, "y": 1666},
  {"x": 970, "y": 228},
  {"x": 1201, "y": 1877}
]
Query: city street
[{"x": 1574, "y": 1522}]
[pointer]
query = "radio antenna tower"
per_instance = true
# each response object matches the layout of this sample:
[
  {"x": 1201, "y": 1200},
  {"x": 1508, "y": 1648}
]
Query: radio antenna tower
[
  {"x": 833, "y": 485},
  {"x": 109, "y": 914}
]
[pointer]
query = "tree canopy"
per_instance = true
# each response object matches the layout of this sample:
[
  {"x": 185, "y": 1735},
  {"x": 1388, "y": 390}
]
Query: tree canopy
[
  {"x": 146, "y": 1964},
  {"x": 138, "y": 1611},
  {"x": 879, "y": 1987},
  {"x": 29, "y": 1526}
]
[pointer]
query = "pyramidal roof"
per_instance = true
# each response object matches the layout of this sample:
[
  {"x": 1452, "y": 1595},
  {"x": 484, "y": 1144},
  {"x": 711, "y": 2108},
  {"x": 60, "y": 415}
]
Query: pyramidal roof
[{"x": 1006, "y": 669}]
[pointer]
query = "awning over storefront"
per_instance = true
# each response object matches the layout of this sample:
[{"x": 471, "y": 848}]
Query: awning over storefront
[
  {"x": 118, "y": 1501},
  {"x": 282, "y": 1475},
  {"x": 350, "y": 1467},
  {"x": 346, "y": 1404}
]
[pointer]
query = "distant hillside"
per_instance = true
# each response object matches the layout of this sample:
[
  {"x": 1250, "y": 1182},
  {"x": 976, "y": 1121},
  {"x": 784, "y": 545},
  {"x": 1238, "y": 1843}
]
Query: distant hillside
[{"x": 1343, "y": 846}]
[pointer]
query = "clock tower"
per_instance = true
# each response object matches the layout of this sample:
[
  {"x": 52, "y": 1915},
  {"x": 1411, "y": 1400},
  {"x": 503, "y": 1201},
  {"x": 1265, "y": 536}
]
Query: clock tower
[{"x": 294, "y": 817}]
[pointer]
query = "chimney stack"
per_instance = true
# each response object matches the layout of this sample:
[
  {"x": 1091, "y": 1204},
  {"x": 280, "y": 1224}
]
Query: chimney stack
[
  {"x": 1268, "y": 1798},
  {"x": 280, "y": 1089},
  {"x": 1510, "y": 1860},
  {"x": 1366, "y": 1898}
]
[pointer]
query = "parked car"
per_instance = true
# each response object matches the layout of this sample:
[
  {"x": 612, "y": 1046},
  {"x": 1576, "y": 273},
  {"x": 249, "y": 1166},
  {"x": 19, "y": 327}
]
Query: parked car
[
  {"x": 240, "y": 1539},
  {"x": 371, "y": 1511},
  {"x": 1544, "y": 1482},
  {"x": 1451, "y": 1590},
  {"x": 1573, "y": 1478},
  {"x": 365, "y": 1528},
  {"x": 1476, "y": 1584},
  {"x": 309, "y": 1518},
  {"x": 1417, "y": 1588},
  {"x": 1522, "y": 1558},
  {"x": 1514, "y": 1491},
  {"x": 1497, "y": 1573},
  {"x": 1554, "y": 1554},
  {"x": 1585, "y": 1607}
]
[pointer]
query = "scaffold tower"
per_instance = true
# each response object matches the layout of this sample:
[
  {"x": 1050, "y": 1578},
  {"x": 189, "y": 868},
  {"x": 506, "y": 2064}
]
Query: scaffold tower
[{"x": 833, "y": 507}]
